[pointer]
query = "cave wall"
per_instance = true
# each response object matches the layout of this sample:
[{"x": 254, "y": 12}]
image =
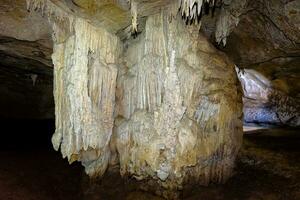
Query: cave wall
[
  {"x": 164, "y": 105},
  {"x": 268, "y": 101},
  {"x": 25, "y": 63},
  {"x": 264, "y": 44},
  {"x": 261, "y": 35}
]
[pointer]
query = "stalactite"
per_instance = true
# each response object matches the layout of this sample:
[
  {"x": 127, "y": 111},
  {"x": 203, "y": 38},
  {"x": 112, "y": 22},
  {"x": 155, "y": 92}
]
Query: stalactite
[
  {"x": 134, "y": 14},
  {"x": 33, "y": 78},
  {"x": 85, "y": 75},
  {"x": 51, "y": 11},
  {"x": 229, "y": 19},
  {"x": 173, "y": 119},
  {"x": 192, "y": 10},
  {"x": 85, "y": 96}
]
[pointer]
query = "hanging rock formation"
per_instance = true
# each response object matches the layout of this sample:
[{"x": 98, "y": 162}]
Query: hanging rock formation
[
  {"x": 85, "y": 81},
  {"x": 179, "y": 117},
  {"x": 165, "y": 106}
]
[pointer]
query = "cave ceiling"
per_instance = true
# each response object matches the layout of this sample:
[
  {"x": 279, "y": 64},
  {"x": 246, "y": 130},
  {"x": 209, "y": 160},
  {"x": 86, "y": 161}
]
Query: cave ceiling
[{"x": 263, "y": 35}]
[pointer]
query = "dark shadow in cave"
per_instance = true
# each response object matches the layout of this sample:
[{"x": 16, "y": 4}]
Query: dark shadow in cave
[{"x": 26, "y": 134}]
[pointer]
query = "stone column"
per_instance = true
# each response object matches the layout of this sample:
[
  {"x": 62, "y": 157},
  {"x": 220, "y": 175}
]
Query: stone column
[
  {"x": 165, "y": 106},
  {"x": 179, "y": 109}
]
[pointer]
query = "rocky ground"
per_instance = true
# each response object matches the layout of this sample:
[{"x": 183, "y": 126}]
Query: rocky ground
[{"x": 268, "y": 168}]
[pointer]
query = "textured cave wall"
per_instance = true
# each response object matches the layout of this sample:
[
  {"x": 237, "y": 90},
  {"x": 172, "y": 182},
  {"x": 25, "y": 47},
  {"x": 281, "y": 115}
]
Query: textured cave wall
[
  {"x": 25, "y": 63},
  {"x": 271, "y": 94},
  {"x": 85, "y": 71},
  {"x": 179, "y": 110},
  {"x": 25, "y": 93},
  {"x": 269, "y": 49},
  {"x": 263, "y": 38}
]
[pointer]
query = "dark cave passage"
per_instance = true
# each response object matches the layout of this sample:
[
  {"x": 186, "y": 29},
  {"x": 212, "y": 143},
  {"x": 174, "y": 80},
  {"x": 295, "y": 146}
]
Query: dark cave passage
[
  {"x": 29, "y": 168},
  {"x": 27, "y": 134}
]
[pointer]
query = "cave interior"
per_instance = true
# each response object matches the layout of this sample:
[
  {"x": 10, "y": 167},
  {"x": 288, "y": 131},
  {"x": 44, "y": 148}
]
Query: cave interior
[{"x": 150, "y": 99}]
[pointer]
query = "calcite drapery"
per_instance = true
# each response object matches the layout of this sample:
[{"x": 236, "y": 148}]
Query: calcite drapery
[
  {"x": 179, "y": 117},
  {"x": 165, "y": 108},
  {"x": 85, "y": 59}
]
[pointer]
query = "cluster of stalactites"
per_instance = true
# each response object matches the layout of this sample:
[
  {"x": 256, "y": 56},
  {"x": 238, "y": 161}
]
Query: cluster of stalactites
[
  {"x": 134, "y": 16},
  {"x": 229, "y": 18},
  {"x": 192, "y": 10},
  {"x": 51, "y": 11}
]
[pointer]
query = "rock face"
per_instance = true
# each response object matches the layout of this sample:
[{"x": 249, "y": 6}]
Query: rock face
[
  {"x": 264, "y": 40},
  {"x": 86, "y": 66},
  {"x": 25, "y": 63},
  {"x": 179, "y": 117},
  {"x": 267, "y": 30},
  {"x": 268, "y": 98},
  {"x": 164, "y": 106}
]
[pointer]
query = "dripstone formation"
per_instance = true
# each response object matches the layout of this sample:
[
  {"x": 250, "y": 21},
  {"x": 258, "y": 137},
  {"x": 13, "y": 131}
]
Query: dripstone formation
[{"x": 164, "y": 105}]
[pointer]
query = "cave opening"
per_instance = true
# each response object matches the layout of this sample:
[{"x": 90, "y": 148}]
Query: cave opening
[{"x": 149, "y": 99}]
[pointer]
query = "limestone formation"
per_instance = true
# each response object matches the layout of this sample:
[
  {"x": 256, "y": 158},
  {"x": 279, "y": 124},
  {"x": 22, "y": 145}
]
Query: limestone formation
[
  {"x": 85, "y": 73},
  {"x": 266, "y": 45},
  {"x": 179, "y": 118},
  {"x": 267, "y": 100},
  {"x": 229, "y": 18},
  {"x": 165, "y": 106}
]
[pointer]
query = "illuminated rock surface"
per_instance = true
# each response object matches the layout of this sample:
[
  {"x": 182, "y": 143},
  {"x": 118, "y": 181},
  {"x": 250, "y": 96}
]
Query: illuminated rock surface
[
  {"x": 177, "y": 120},
  {"x": 175, "y": 114},
  {"x": 266, "y": 43},
  {"x": 138, "y": 87},
  {"x": 270, "y": 98}
]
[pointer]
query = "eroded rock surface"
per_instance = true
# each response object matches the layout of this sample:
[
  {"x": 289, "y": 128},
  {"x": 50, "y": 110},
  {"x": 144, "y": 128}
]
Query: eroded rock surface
[
  {"x": 163, "y": 105},
  {"x": 86, "y": 66},
  {"x": 25, "y": 63},
  {"x": 271, "y": 94},
  {"x": 175, "y": 116},
  {"x": 179, "y": 117},
  {"x": 265, "y": 42}
]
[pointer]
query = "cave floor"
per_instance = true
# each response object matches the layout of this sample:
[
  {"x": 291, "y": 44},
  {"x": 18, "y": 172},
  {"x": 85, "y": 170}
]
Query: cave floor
[{"x": 268, "y": 168}]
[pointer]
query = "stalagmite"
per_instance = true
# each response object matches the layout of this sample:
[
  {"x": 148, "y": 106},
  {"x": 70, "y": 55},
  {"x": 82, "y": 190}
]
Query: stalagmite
[{"x": 164, "y": 106}]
